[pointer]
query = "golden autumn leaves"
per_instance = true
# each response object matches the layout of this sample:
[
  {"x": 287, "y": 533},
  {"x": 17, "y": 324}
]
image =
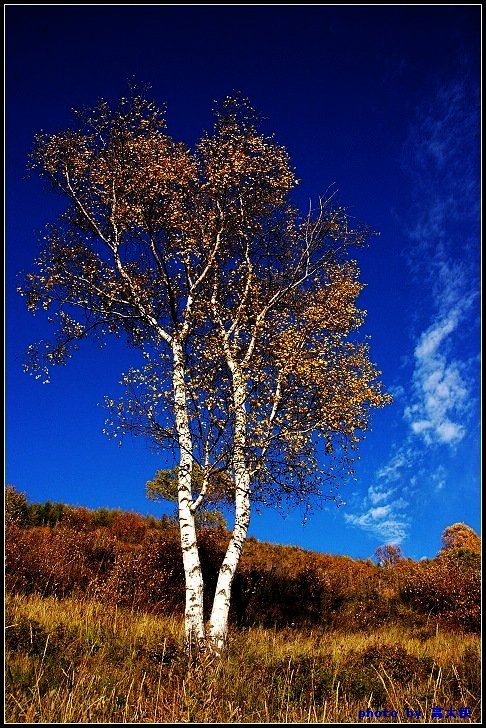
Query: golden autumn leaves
[
  {"x": 203, "y": 246},
  {"x": 129, "y": 174}
]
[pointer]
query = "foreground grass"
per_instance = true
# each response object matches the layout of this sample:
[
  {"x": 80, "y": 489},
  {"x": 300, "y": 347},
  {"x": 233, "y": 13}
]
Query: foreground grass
[{"x": 78, "y": 661}]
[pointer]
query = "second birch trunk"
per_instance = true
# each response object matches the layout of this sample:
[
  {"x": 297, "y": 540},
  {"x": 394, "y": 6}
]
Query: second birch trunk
[{"x": 218, "y": 628}]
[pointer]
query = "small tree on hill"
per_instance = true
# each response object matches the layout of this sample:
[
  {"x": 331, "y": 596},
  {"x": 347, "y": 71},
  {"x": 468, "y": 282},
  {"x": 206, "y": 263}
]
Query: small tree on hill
[
  {"x": 164, "y": 486},
  {"x": 460, "y": 536},
  {"x": 16, "y": 507},
  {"x": 388, "y": 555}
]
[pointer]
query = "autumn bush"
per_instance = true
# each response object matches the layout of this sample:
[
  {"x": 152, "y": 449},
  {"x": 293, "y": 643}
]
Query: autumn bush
[
  {"x": 124, "y": 559},
  {"x": 460, "y": 536},
  {"x": 127, "y": 524},
  {"x": 16, "y": 506},
  {"x": 48, "y": 561},
  {"x": 147, "y": 576},
  {"x": 447, "y": 587}
]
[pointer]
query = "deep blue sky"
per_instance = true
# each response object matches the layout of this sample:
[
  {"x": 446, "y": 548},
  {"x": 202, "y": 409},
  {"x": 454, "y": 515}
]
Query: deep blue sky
[{"x": 382, "y": 103}]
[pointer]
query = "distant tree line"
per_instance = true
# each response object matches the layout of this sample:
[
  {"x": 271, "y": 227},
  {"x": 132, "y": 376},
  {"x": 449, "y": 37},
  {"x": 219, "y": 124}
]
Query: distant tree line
[{"x": 18, "y": 510}]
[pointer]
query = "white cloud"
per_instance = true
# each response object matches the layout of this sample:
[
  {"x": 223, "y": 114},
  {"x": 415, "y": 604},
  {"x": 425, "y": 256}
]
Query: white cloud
[
  {"x": 419, "y": 426},
  {"x": 397, "y": 391},
  {"x": 434, "y": 336},
  {"x": 383, "y": 511},
  {"x": 438, "y": 478},
  {"x": 449, "y": 432},
  {"x": 440, "y": 391},
  {"x": 376, "y": 495},
  {"x": 392, "y": 471},
  {"x": 388, "y": 522}
]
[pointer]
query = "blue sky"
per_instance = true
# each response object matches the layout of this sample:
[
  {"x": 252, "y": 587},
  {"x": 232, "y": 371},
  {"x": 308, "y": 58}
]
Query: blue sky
[{"x": 380, "y": 102}]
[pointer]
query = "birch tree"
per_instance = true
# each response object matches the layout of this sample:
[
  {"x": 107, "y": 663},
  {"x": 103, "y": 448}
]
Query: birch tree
[
  {"x": 129, "y": 256},
  {"x": 244, "y": 309},
  {"x": 283, "y": 314}
]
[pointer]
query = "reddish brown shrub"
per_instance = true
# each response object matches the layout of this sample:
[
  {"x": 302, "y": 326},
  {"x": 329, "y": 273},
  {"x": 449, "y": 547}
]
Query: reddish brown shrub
[
  {"x": 77, "y": 518},
  {"x": 147, "y": 576},
  {"x": 45, "y": 560},
  {"x": 129, "y": 527},
  {"x": 445, "y": 588}
]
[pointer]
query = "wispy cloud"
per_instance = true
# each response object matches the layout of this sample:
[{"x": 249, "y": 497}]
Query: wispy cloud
[
  {"x": 441, "y": 160},
  {"x": 381, "y": 523},
  {"x": 440, "y": 391},
  {"x": 388, "y": 521},
  {"x": 439, "y": 478},
  {"x": 441, "y": 155},
  {"x": 392, "y": 471},
  {"x": 382, "y": 512},
  {"x": 377, "y": 495}
]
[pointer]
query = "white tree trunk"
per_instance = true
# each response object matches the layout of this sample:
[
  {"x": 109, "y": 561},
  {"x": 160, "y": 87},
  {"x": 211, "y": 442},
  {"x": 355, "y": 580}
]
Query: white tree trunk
[
  {"x": 194, "y": 618},
  {"x": 218, "y": 627}
]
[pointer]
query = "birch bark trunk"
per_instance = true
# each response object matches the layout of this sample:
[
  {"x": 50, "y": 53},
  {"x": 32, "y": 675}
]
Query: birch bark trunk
[
  {"x": 218, "y": 626},
  {"x": 195, "y": 638}
]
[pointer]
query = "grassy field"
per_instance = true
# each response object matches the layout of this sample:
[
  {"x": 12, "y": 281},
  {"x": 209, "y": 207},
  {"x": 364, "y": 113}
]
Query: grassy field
[{"x": 80, "y": 661}]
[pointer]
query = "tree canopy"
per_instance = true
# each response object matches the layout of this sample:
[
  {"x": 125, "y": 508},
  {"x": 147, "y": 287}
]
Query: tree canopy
[{"x": 460, "y": 536}]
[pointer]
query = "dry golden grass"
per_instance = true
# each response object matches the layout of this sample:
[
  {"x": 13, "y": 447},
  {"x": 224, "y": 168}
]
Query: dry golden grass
[{"x": 78, "y": 661}]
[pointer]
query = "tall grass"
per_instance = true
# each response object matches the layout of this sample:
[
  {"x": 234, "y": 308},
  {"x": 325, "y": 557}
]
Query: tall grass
[{"x": 80, "y": 661}]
